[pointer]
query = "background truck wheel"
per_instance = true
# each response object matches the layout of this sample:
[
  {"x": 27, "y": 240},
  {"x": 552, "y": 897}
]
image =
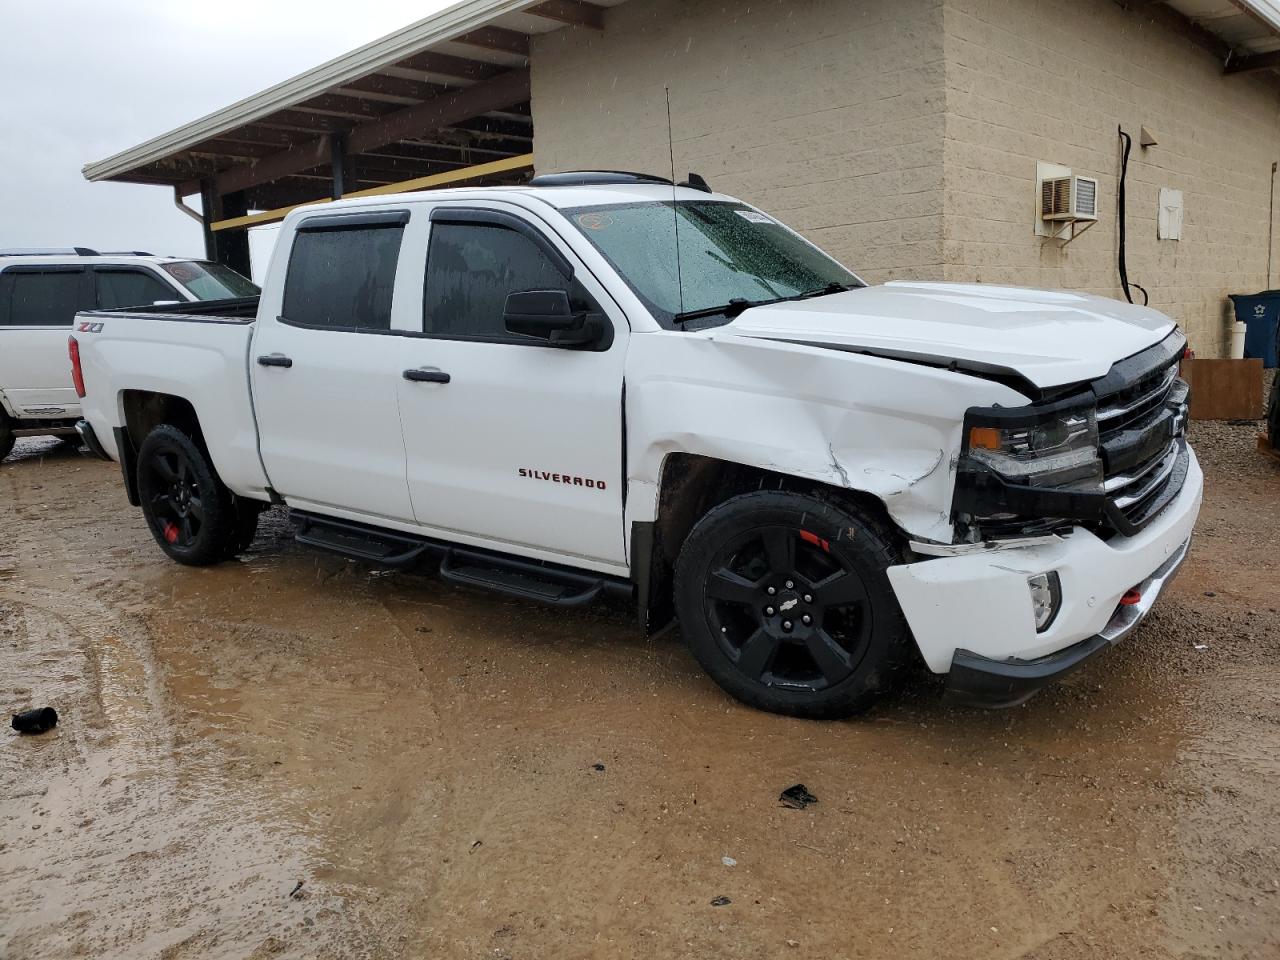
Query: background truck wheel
[
  {"x": 784, "y": 600},
  {"x": 7, "y": 439},
  {"x": 189, "y": 511}
]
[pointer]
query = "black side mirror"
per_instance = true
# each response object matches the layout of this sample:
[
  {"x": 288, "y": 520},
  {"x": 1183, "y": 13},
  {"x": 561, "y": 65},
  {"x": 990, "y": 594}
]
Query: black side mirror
[{"x": 548, "y": 315}]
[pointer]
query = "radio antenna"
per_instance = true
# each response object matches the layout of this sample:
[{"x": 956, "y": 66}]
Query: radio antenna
[{"x": 675, "y": 213}]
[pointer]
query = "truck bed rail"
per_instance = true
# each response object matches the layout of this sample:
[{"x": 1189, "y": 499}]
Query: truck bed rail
[{"x": 241, "y": 309}]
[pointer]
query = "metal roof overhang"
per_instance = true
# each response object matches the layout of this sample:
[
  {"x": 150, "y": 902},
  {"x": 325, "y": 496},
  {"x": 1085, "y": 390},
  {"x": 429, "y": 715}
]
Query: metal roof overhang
[
  {"x": 1244, "y": 33},
  {"x": 450, "y": 94},
  {"x": 446, "y": 95}
]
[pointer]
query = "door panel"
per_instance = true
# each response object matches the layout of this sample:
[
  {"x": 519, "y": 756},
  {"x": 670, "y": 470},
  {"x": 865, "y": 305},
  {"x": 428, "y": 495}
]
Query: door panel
[
  {"x": 522, "y": 446},
  {"x": 329, "y": 424},
  {"x": 326, "y": 374}
]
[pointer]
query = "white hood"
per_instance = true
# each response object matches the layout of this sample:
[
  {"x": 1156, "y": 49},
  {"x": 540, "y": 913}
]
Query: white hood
[{"x": 1051, "y": 338}]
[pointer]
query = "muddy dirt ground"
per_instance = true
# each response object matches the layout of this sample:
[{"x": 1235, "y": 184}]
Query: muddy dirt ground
[{"x": 297, "y": 756}]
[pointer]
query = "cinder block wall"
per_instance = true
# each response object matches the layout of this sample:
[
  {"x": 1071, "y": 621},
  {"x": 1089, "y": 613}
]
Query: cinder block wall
[
  {"x": 826, "y": 113},
  {"x": 1050, "y": 80},
  {"x": 903, "y": 135}
]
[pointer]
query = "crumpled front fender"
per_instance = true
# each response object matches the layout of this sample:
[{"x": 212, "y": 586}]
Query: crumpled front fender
[{"x": 883, "y": 427}]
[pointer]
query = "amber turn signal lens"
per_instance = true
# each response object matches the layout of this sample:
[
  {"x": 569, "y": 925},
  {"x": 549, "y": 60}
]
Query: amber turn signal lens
[{"x": 984, "y": 438}]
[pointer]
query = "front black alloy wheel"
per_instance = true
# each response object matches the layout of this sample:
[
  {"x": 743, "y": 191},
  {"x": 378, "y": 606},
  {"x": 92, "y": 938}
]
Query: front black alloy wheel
[
  {"x": 785, "y": 601},
  {"x": 187, "y": 507}
]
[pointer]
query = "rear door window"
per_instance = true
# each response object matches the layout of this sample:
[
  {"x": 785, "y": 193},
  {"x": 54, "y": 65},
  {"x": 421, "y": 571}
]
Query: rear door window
[
  {"x": 341, "y": 276},
  {"x": 118, "y": 288},
  {"x": 36, "y": 297}
]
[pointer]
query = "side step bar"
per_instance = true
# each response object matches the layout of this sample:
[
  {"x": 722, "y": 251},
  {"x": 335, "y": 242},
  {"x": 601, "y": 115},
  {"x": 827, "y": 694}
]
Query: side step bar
[
  {"x": 358, "y": 541},
  {"x": 462, "y": 566}
]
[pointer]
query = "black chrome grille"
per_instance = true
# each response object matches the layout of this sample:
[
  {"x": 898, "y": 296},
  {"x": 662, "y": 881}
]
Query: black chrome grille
[{"x": 1142, "y": 414}]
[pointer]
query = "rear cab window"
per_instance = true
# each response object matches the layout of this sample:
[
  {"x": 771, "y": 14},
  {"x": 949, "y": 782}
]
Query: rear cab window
[{"x": 342, "y": 270}]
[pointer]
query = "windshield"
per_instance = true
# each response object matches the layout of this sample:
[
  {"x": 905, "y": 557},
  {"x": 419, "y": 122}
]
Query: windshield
[
  {"x": 210, "y": 281},
  {"x": 728, "y": 252}
]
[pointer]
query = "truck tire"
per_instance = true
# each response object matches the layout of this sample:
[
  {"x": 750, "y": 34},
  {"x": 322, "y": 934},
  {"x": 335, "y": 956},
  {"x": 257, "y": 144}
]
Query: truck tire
[
  {"x": 189, "y": 511},
  {"x": 1273, "y": 413},
  {"x": 784, "y": 600},
  {"x": 7, "y": 439}
]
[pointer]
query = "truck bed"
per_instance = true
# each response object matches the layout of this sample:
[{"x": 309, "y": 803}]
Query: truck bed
[
  {"x": 238, "y": 309},
  {"x": 199, "y": 356}
]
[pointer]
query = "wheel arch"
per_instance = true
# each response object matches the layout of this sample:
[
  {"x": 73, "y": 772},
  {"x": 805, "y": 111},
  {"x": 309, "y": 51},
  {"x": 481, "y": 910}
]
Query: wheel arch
[
  {"x": 691, "y": 485},
  {"x": 141, "y": 411}
]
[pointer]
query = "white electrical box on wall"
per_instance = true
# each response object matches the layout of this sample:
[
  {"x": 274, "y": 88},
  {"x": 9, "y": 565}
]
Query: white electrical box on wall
[{"x": 1169, "y": 220}]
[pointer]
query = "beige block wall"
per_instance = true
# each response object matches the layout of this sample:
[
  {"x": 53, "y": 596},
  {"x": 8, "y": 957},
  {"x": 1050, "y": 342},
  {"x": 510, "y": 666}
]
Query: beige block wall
[
  {"x": 1050, "y": 80},
  {"x": 826, "y": 113},
  {"x": 903, "y": 135}
]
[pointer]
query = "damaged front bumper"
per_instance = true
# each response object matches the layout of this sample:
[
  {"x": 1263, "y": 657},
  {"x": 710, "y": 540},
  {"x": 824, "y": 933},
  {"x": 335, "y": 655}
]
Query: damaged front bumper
[
  {"x": 973, "y": 618},
  {"x": 978, "y": 681}
]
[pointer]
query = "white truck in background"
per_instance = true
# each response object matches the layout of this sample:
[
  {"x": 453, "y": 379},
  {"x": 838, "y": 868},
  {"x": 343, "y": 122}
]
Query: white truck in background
[
  {"x": 41, "y": 291},
  {"x": 536, "y": 389}
]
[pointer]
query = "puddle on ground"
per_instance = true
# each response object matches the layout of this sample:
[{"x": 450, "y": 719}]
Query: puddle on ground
[{"x": 428, "y": 761}]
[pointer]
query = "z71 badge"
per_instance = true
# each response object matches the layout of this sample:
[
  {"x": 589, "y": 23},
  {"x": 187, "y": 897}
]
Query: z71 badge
[{"x": 89, "y": 328}]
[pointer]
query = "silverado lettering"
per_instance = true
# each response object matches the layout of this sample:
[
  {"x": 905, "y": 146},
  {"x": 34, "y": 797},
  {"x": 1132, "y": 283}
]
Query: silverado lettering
[{"x": 562, "y": 478}]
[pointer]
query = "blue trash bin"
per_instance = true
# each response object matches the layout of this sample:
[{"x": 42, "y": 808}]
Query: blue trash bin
[{"x": 1260, "y": 313}]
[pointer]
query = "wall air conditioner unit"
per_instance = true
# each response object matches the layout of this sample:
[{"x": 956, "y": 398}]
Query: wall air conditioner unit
[{"x": 1069, "y": 199}]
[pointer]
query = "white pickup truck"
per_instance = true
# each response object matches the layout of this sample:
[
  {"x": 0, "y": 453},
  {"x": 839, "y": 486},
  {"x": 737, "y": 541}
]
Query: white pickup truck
[
  {"x": 531, "y": 388},
  {"x": 41, "y": 290}
]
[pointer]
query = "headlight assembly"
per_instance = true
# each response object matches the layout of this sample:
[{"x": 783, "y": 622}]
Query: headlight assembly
[
  {"x": 1060, "y": 451},
  {"x": 1029, "y": 467}
]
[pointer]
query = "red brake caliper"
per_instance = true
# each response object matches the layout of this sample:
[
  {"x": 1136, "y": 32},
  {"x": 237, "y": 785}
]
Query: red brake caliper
[
  {"x": 816, "y": 540},
  {"x": 170, "y": 531}
]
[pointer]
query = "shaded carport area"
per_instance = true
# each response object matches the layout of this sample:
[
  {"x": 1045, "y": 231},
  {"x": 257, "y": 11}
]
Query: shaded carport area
[{"x": 444, "y": 101}]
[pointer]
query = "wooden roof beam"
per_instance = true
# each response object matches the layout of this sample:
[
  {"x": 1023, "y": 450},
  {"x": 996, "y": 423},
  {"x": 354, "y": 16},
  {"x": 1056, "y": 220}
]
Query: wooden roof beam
[
  {"x": 337, "y": 104},
  {"x": 397, "y": 87},
  {"x": 493, "y": 94},
  {"x": 497, "y": 39},
  {"x": 1246, "y": 63},
  {"x": 444, "y": 65}
]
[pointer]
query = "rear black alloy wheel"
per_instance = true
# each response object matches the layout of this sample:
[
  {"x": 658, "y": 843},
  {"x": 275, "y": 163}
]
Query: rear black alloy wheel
[
  {"x": 785, "y": 602},
  {"x": 187, "y": 508}
]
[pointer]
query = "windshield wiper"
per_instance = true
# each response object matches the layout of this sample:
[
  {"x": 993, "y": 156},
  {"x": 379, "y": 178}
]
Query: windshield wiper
[
  {"x": 738, "y": 304},
  {"x": 730, "y": 310},
  {"x": 829, "y": 289}
]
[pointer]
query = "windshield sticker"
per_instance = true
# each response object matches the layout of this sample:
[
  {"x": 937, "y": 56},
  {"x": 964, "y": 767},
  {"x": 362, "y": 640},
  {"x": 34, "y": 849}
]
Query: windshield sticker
[
  {"x": 595, "y": 221},
  {"x": 182, "y": 272},
  {"x": 754, "y": 217}
]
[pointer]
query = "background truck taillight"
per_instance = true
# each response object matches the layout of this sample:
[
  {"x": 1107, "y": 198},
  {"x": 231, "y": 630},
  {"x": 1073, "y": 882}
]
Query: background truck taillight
[{"x": 77, "y": 375}]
